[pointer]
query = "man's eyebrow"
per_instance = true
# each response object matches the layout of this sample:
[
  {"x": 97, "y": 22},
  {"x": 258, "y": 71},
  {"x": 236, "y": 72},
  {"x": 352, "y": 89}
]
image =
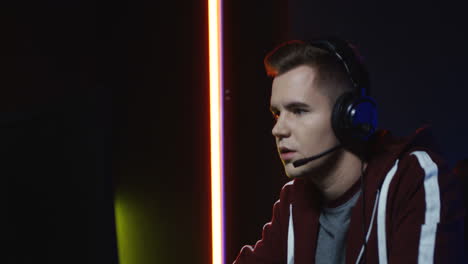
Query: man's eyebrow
[{"x": 291, "y": 105}]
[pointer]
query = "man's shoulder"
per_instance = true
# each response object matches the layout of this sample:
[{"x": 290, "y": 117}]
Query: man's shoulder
[
  {"x": 389, "y": 151},
  {"x": 423, "y": 174},
  {"x": 421, "y": 161},
  {"x": 384, "y": 141}
]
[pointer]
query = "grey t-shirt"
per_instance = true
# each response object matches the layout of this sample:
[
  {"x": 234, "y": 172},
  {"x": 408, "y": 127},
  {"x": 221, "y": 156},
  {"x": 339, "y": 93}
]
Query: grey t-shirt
[{"x": 334, "y": 224}]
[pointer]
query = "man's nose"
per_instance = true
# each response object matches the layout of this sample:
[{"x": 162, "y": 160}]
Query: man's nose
[{"x": 281, "y": 128}]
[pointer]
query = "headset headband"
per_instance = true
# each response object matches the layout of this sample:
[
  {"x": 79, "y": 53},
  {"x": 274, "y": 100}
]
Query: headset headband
[{"x": 349, "y": 58}]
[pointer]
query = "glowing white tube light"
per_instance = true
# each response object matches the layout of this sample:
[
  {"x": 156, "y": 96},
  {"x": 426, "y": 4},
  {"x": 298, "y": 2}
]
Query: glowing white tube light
[{"x": 216, "y": 130}]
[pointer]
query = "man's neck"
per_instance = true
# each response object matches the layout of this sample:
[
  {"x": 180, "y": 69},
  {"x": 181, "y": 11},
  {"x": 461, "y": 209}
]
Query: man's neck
[{"x": 343, "y": 170}]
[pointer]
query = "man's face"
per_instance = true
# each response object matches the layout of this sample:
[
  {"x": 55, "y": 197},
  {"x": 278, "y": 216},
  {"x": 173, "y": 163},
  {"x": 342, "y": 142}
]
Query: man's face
[{"x": 303, "y": 119}]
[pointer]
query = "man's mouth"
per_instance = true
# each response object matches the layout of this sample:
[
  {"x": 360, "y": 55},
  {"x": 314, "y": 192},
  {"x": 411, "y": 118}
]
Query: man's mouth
[{"x": 286, "y": 153}]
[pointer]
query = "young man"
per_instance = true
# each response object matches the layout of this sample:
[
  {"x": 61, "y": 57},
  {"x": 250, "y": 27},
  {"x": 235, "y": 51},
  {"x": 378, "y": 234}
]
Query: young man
[{"x": 357, "y": 195}]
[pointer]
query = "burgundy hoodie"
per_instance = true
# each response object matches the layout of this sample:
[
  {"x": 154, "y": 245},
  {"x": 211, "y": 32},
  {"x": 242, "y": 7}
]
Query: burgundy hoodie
[{"x": 413, "y": 211}]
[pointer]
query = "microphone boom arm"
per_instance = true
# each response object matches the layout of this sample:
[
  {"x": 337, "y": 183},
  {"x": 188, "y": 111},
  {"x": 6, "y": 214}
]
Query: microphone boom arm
[{"x": 301, "y": 162}]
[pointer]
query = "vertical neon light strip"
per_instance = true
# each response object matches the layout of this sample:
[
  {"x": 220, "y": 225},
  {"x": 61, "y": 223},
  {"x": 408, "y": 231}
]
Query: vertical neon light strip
[{"x": 216, "y": 129}]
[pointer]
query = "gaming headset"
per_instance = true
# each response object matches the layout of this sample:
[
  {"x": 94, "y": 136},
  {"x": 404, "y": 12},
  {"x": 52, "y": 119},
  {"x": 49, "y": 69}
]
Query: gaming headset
[{"x": 354, "y": 115}]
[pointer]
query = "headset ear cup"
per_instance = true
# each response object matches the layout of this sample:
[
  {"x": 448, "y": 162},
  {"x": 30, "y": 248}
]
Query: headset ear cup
[
  {"x": 363, "y": 118},
  {"x": 354, "y": 118},
  {"x": 339, "y": 116}
]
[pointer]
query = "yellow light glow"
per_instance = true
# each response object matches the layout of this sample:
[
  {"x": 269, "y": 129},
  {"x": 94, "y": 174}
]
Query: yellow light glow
[{"x": 216, "y": 132}]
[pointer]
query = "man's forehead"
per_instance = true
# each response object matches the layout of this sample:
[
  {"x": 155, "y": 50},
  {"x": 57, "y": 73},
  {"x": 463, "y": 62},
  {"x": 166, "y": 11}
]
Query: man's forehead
[
  {"x": 296, "y": 85},
  {"x": 299, "y": 74}
]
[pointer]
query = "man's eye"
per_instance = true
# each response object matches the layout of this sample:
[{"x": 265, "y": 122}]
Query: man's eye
[{"x": 298, "y": 111}]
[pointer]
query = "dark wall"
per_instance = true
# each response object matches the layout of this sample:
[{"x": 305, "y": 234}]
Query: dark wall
[
  {"x": 104, "y": 100},
  {"x": 161, "y": 163},
  {"x": 253, "y": 172},
  {"x": 56, "y": 133}
]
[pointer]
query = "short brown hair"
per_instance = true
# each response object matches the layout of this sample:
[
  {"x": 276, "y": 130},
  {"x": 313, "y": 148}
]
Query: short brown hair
[{"x": 332, "y": 77}]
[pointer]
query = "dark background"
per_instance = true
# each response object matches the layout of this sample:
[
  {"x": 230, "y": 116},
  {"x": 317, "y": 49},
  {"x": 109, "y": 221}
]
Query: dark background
[
  {"x": 102, "y": 100},
  {"x": 105, "y": 100}
]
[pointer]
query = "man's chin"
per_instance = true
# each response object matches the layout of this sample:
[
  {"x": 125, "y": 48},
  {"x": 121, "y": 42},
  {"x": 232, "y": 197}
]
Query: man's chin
[{"x": 293, "y": 172}]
